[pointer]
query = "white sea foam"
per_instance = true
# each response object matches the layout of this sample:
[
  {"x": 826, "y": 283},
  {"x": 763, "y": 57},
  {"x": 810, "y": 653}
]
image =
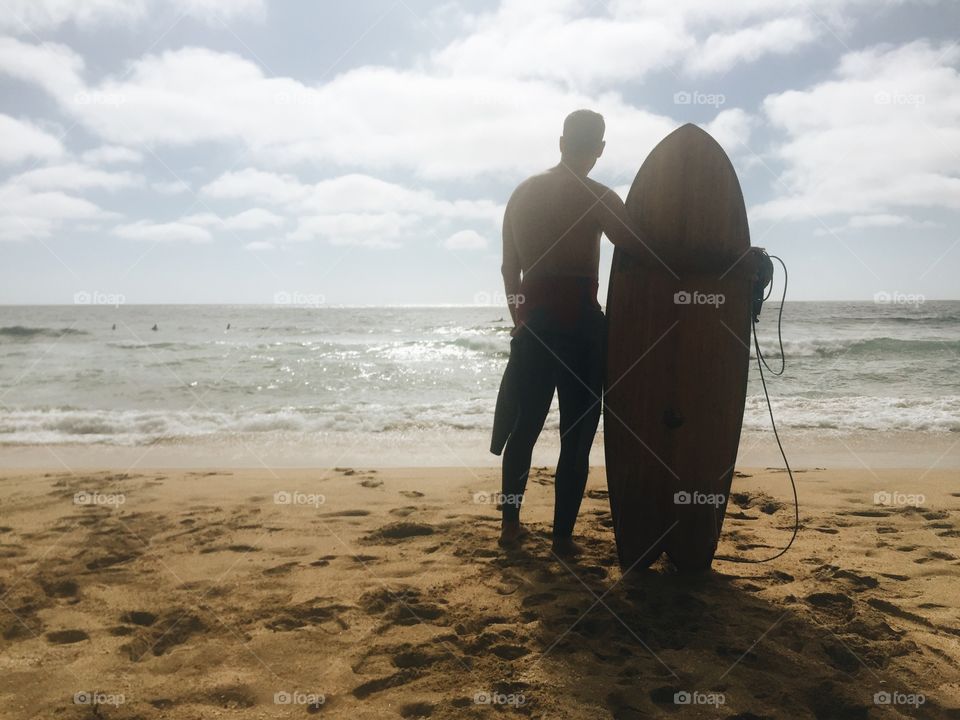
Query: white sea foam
[{"x": 68, "y": 377}]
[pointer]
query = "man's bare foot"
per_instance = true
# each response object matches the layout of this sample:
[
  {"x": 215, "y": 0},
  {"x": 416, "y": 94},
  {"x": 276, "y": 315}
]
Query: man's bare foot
[
  {"x": 566, "y": 547},
  {"x": 512, "y": 533}
]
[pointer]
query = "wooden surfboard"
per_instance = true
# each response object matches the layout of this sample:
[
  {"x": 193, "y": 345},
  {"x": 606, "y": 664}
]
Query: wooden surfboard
[{"x": 677, "y": 354}]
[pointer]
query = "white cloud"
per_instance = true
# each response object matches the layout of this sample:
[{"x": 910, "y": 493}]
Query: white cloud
[
  {"x": 34, "y": 16},
  {"x": 55, "y": 68},
  {"x": 112, "y": 154},
  {"x": 217, "y": 11},
  {"x": 26, "y": 214},
  {"x": 252, "y": 219},
  {"x": 721, "y": 51},
  {"x": 731, "y": 128},
  {"x": 375, "y": 230},
  {"x": 259, "y": 185},
  {"x": 163, "y": 232},
  {"x": 20, "y": 140},
  {"x": 75, "y": 176},
  {"x": 882, "y": 135},
  {"x": 439, "y": 127},
  {"x": 350, "y": 209},
  {"x": 465, "y": 240},
  {"x": 259, "y": 245},
  {"x": 548, "y": 40},
  {"x": 173, "y": 187}
]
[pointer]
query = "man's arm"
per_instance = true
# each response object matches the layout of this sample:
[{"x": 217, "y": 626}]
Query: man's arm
[
  {"x": 511, "y": 265},
  {"x": 616, "y": 224}
]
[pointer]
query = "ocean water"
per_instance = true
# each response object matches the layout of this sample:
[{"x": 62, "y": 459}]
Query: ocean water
[{"x": 293, "y": 374}]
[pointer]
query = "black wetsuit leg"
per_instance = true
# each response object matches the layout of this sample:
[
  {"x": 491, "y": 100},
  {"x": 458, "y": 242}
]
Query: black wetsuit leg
[
  {"x": 580, "y": 389},
  {"x": 572, "y": 364},
  {"x": 535, "y": 382}
]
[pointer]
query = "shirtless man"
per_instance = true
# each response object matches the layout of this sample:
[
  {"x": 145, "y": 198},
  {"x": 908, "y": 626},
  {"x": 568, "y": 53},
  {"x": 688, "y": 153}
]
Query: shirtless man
[{"x": 551, "y": 257}]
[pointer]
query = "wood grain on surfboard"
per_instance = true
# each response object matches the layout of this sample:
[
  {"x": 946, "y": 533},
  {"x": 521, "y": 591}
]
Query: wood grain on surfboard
[{"x": 678, "y": 354}]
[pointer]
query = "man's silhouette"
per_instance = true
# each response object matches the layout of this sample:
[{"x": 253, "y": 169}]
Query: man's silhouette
[{"x": 551, "y": 256}]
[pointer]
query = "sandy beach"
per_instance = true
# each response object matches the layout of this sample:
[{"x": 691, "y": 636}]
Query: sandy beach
[{"x": 381, "y": 593}]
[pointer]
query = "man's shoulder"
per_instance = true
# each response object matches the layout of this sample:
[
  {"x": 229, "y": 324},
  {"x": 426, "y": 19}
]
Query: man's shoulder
[
  {"x": 597, "y": 188},
  {"x": 533, "y": 180}
]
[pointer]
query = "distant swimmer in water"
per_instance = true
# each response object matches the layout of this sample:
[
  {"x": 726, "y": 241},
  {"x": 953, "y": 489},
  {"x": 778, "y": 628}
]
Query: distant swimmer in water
[
  {"x": 228, "y": 326},
  {"x": 114, "y": 327},
  {"x": 154, "y": 328}
]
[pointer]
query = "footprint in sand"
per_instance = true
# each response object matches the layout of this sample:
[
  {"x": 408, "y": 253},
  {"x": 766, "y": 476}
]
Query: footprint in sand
[
  {"x": 836, "y": 604},
  {"x": 538, "y": 599},
  {"x": 66, "y": 637},
  {"x": 174, "y": 627},
  {"x": 856, "y": 581},
  {"x": 411, "y": 493},
  {"x": 888, "y": 608},
  {"x": 403, "y": 605},
  {"x": 138, "y": 617},
  {"x": 402, "y": 677},
  {"x": 228, "y": 697},
  {"x": 371, "y": 483},
  {"x": 319, "y": 612},
  {"x": 59, "y": 588},
  {"x": 280, "y": 569},
  {"x": 399, "y": 531},
  {"x": 416, "y": 710}
]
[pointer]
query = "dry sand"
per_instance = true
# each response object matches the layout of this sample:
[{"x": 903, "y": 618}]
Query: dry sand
[{"x": 200, "y": 596}]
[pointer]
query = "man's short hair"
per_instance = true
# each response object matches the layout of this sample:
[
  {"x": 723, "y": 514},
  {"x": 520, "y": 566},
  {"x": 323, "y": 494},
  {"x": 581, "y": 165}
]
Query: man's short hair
[{"x": 583, "y": 130}]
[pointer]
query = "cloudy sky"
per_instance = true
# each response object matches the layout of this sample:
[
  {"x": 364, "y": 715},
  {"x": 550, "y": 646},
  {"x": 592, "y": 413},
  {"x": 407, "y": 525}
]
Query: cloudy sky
[{"x": 228, "y": 150}]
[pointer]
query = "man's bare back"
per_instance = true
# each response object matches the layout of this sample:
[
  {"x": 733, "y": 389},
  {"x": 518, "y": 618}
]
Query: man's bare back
[{"x": 552, "y": 227}]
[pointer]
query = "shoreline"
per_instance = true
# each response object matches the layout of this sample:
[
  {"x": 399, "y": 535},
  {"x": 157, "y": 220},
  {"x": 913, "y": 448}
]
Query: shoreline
[{"x": 431, "y": 449}]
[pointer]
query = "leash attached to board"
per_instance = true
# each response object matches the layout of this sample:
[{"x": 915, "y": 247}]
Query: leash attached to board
[{"x": 765, "y": 277}]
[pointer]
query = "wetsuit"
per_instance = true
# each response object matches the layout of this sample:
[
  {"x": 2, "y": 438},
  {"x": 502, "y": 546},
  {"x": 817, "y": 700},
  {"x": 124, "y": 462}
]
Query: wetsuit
[{"x": 558, "y": 344}]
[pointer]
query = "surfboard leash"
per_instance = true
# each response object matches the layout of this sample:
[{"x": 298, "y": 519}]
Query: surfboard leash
[{"x": 761, "y": 364}]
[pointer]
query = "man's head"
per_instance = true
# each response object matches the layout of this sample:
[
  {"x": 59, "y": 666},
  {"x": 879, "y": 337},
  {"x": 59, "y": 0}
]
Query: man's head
[{"x": 582, "y": 140}]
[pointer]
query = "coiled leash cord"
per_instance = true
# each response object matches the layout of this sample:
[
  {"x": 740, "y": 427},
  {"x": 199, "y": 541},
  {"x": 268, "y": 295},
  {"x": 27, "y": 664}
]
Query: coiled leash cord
[{"x": 761, "y": 364}]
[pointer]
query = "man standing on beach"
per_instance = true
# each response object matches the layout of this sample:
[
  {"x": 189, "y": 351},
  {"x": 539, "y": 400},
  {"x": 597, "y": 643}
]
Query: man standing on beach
[{"x": 551, "y": 257}]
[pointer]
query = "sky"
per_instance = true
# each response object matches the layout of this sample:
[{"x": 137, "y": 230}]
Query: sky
[{"x": 248, "y": 151}]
